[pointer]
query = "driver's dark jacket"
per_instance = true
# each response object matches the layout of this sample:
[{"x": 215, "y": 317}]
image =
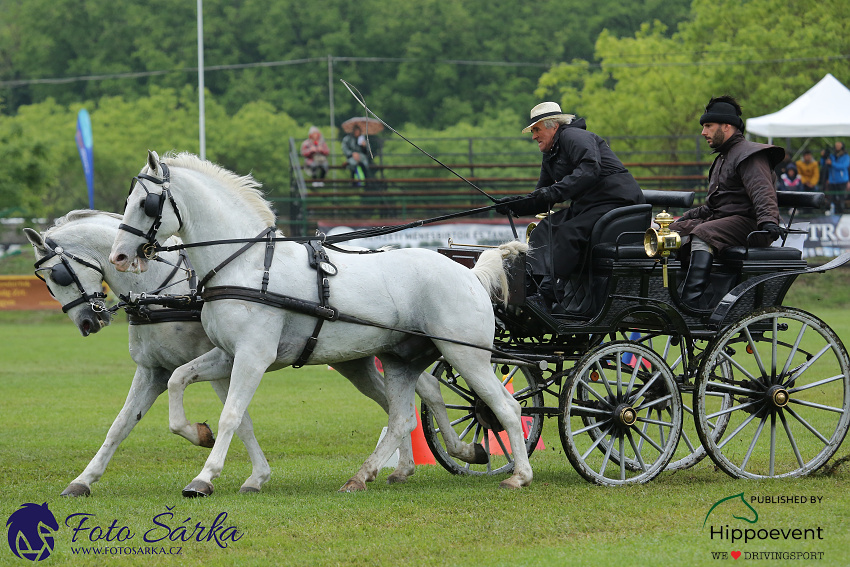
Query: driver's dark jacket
[{"x": 581, "y": 167}]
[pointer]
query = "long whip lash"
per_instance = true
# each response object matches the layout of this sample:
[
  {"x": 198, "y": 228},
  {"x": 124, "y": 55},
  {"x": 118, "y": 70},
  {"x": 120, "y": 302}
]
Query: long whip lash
[{"x": 360, "y": 99}]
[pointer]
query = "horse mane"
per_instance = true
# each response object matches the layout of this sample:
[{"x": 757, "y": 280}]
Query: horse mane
[
  {"x": 80, "y": 215},
  {"x": 244, "y": 186}
]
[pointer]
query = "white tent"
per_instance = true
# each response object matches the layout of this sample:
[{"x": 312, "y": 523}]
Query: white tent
[{"x": 822, "y": 111}]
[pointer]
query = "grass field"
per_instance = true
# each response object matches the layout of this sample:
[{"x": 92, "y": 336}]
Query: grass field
[{"x": 59, "y": 394}]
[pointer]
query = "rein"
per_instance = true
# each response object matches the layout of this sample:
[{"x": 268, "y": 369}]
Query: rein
[{"x": 153, "y": 205}]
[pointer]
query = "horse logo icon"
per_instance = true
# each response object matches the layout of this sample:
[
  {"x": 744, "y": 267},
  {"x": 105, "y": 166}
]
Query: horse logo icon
[
  {"x": 31, "y": 530},
  {"x": 733, "y": 501}
]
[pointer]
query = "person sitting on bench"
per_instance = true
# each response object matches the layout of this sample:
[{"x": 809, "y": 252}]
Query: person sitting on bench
[
  {"x": 579, "y": 166},
  {"x": 741, "y": 197}
]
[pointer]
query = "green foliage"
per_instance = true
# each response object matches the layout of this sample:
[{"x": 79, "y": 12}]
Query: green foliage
[{"x": 764, "y": 52}]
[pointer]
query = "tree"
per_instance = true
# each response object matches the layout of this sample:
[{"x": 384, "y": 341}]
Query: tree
[{"x": 764, "y": 52}]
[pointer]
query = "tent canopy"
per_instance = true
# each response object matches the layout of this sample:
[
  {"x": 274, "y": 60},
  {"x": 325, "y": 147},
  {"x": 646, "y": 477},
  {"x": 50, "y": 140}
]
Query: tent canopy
[{"x": 822, "y": 111}]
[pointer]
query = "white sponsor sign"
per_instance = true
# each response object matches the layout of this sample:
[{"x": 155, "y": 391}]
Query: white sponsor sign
[{"x": 434, "y": 236}]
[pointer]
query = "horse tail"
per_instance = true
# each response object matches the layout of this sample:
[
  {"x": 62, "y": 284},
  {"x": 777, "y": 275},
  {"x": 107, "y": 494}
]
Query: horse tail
[{"x": 490, "y": 267}]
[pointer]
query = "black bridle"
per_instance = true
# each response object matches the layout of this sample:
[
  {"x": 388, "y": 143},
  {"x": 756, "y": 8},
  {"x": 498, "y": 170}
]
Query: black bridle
[
  {"x": 152, "y": 204},
  {"x": 63, "y": 274}
]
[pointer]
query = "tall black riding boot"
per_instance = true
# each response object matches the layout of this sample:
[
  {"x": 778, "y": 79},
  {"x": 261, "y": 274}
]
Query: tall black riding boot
[{"x": 696, "y": 282}]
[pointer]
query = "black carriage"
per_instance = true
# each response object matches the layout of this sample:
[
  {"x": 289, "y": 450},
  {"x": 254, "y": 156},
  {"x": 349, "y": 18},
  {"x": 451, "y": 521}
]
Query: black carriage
[{"x": 643, "y": 382}]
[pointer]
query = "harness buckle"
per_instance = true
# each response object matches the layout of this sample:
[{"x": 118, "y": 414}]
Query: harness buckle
[
  {"x": 149, "y": 250},
  {"x": 329, "y": 313}
]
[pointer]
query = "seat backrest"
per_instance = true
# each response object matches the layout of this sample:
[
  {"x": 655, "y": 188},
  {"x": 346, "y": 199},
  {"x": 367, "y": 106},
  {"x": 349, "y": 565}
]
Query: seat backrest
[{"x": 632, "y": 218}]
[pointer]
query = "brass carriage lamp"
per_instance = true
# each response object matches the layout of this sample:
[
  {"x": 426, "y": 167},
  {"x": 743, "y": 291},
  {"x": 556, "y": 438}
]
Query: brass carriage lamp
[{"x": 660, "y": 243}]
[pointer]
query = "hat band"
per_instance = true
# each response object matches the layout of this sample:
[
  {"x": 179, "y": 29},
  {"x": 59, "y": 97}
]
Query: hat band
[{"x": 539, "y": 117}]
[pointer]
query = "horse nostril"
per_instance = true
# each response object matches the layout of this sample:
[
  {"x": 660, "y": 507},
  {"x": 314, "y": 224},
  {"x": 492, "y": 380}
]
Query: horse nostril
[{"x": 119, "y": 259}]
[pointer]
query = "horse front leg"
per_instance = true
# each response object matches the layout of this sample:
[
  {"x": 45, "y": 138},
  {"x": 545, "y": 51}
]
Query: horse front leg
[
  {"x": 261, "y": 471},
  {"x": 147, "y": 385},
  {"x": 214, "y": 365},
  {"x": 248, "y": 368}
]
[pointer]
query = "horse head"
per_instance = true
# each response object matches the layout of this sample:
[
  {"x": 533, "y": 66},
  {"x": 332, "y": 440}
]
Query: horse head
[
  {"x": 73, "y": 279},
  {"x": 146, "y": 217}
]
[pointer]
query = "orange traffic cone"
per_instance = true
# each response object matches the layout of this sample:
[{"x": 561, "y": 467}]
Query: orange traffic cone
[{"x": 421, "y": 451}]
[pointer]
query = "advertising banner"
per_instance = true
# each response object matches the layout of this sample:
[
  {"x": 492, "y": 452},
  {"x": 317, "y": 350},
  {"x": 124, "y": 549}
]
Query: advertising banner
[
  {"x": 434, "y": 236},
  {"x": 25, "y": 292},
  {"x": 85, "y": 145}
]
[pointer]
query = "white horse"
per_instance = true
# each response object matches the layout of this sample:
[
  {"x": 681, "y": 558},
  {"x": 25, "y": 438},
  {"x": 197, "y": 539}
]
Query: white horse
[
  {"x": 405, "y": 294},
  {"x": 79, "y": 243},
  {"x": 85, "y": 238}
]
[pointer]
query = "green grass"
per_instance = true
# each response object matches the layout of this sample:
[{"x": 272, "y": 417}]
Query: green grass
[{"x": 59, "y": 394}]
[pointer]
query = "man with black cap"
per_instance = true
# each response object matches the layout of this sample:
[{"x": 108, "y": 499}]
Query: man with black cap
[
  {"x": 579, "y": 166},
  {"x": 741, "y": 197}
]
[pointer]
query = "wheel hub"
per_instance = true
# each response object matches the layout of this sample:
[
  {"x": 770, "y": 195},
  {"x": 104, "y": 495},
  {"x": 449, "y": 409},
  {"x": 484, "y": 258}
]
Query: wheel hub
[
  {"x": 486, "y": 417},
  {"x": 778, "y": 396},
  {"x": 626, "y": 415}
]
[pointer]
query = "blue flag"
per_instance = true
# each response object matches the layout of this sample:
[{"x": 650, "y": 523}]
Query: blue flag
[{"x": 84, "y": 145}]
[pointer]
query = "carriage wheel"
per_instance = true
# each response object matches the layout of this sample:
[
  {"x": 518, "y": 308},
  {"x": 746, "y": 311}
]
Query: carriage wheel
[
  {"x": 690, "y": 450},
  {"x": 621, "y": 396},
  {"x": 474, "y": 422},
  {"x": 788, "y": 376}
]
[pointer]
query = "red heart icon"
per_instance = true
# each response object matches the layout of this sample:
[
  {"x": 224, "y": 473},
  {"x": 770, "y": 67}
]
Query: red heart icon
[{"x": 736, "y": 554}]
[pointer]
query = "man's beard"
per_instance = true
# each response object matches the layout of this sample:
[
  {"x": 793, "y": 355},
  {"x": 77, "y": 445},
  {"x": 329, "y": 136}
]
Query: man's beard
[{"x": 717, "y": 139}]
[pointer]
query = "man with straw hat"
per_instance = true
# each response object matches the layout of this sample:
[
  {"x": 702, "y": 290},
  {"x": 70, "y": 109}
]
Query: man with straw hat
[{"x": 578, "y": 166}]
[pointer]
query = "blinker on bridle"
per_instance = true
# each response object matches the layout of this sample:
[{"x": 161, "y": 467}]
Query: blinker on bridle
[
  {"x": 63, "y": 274},
  {"x": 152, "y": 204}
]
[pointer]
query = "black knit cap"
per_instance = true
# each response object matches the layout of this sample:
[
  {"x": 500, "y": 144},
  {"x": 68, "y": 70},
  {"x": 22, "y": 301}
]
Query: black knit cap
[{"x": 723, "y": 110}]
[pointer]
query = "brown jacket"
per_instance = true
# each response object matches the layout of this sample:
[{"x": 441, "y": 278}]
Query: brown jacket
[{"x": 741, "y": 196}]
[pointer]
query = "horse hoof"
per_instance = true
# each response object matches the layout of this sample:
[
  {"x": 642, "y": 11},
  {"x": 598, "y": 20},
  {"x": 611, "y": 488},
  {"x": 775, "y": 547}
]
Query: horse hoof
[
  {"x": 482, "y": 457},
  {"x": 353, "y": 485},
  {"x": 397, "y": 478},
  {"x": 76, "y": 489},
  {"x": 511, "y": 484},
  {"x": 198, "y": 488},
  {"x": 248, "y": 490},
  {"x": 205, "y": 435}
]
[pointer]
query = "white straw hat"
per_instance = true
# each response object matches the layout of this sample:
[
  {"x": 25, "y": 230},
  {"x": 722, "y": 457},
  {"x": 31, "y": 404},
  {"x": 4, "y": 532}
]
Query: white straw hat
[{"x": 545, "y": 110}]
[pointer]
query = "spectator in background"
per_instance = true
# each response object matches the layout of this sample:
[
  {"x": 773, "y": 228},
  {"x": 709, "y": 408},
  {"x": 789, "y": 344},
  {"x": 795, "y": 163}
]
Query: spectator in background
[
  {"x": 779, "y": 170},
  {"x": 809, "y": 171},
  {"x": 315, "y": 152},
  {"x": 838, "y": 182},
  {"x": 824, "y": 170},
  {"x": 356, "y": 150},
  {"x": 790, "y": 180}
]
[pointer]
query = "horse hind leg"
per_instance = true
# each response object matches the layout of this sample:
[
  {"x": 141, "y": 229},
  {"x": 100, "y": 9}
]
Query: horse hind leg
[
  {"x": 428, "y": 389},
  {"x": 478, "y": 373},
  {"x": 400, "y": 382},
  {"x": 366, "y": 378}
]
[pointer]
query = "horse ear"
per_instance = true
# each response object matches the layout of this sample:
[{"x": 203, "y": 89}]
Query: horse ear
[
  {"x": 34, "y": 237},
  {"x": 153, "y": 161}
]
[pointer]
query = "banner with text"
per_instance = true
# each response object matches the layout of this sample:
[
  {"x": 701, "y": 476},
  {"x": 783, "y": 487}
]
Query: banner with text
[{"x": 434, "y": 236}]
